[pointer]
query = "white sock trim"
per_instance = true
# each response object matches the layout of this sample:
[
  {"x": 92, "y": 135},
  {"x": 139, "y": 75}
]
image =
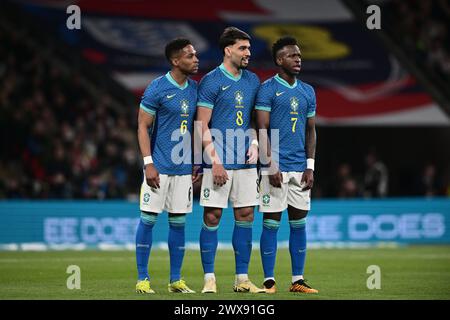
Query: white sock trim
[
  {"x": 241, "y": 277},
  {"x": 269, "y": 278},
  {"x": 296, "y": 278},
  {"x": 210, "y": 276}
]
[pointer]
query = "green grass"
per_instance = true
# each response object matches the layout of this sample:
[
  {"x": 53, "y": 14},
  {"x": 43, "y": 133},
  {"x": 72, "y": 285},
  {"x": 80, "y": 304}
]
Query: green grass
[{"x": 420, "y": 272}]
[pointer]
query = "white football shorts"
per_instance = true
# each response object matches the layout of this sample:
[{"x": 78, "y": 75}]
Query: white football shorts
[
  {"x": 241, "y": 189},
  {"x": 272, "y": 199},
  {"x": 174, "y": 195}
]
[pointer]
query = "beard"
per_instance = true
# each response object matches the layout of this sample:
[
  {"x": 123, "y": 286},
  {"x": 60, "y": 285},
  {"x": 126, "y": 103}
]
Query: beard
[
  {"x": 242, "y": 64},
  {"x": 239, "y": 63}
]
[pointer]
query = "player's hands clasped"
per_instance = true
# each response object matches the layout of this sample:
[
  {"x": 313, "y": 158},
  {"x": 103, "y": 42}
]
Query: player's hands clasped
[
  {"x": 220, "y": 175},
  {"x": 152, "y": 176},
  {"x": 307, "y": 179}
]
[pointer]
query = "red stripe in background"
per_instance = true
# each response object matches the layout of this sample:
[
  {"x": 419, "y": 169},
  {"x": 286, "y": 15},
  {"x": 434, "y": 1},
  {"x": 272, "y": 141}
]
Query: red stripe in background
[
  {"x": 331, "y": 104},
  {"x": 94, "y": 56}
]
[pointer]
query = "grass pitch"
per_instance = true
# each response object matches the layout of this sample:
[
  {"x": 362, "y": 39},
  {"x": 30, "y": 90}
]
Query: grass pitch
[{"x": 418, "y": 272}]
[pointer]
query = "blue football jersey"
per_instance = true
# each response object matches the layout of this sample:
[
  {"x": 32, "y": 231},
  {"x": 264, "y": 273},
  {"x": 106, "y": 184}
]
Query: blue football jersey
[
  {"x": 289, "y": 107},
  {"x": 232, "y": 100},
  {"x": 173, "y": 107}
]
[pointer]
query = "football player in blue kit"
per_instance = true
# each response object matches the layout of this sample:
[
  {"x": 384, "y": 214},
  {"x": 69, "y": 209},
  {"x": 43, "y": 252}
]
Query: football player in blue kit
[
  {"x": 288, "y": 105},
  {"x": 167, "y": 109},
  {"x": 226, "y": 98}
]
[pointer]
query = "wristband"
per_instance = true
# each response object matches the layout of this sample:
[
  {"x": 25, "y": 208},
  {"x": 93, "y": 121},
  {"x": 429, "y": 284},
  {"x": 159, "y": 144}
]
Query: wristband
[
  {"x": 255, "y": 142},
  {"x": 148, "y": 160},
  {"x": 310, "y": 164}
]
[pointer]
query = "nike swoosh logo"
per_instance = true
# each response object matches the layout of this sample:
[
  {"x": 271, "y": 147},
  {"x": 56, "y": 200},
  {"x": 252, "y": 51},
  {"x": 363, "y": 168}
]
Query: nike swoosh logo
[
  {"x": 279, "y": 93},
  {"x": 270, "y": 252},
  {"x": 171, "y": 96},
  {"x": 225, "y": 88}
]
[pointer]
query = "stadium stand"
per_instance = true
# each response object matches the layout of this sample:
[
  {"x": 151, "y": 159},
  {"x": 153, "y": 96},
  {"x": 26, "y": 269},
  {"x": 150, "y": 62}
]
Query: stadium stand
[
  {"x": 64, "y": 135},
  {"x": 68, "y": 128}
]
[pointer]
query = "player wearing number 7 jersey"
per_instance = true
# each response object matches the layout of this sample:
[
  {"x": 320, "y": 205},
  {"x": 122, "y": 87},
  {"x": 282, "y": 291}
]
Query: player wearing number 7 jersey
[
  {"x": 288, "y": 105},
  {"x": 226, "y": 97},
  {"x": 167, "y": 112}
]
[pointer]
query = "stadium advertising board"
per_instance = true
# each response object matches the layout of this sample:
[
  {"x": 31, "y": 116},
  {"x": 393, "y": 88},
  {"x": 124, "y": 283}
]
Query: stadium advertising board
[{"x": 112, "y": 224}]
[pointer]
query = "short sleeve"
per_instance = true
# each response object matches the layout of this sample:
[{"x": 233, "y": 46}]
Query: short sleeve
[
  {"x": 264, "y": 98},
  {"x": 150, "y": 99},
  {"x": 207, "y": 92},
  {"x": 311, "y": 110}
]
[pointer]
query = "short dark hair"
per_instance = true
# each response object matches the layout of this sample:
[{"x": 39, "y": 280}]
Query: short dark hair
[
  {"x": 229, "y": 37},
  {"x": 174, "y": 46},
  {"x": 280, "y": 44}
]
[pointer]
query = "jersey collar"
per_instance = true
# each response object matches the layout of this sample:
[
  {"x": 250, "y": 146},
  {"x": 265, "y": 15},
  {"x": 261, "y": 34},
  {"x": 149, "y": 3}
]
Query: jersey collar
[
  {"x": 229, "y": 75},
  {"x": 284, "y": 82},
  {"x": 172, "y": 81}
]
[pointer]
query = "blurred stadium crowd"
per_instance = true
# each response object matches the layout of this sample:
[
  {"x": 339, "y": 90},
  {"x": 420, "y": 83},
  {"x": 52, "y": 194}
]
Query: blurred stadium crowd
[
  {"x": 423, "y": 29},
  {"x": 61, "y": 139},
  {"x": 58, "y": 139},
  {"x": 374, "y": 181}
]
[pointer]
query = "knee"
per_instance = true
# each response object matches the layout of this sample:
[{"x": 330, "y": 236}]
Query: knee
[
  {"x": 297, "y": 214},
  {"x": 245, "y": 214},
  {"x": 302, "y": 214},
  {"x": 212, "y": 218}
]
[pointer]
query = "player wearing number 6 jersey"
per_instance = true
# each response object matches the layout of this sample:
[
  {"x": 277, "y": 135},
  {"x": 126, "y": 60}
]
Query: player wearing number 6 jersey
[
  {"x": 226, "y": 99},
  {"x": 168, "y": 109},
  {"x": 288, "y": 105}
]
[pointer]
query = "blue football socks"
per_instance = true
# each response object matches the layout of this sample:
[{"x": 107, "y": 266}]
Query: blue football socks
[
  {"x": 208, "y": 247},
  {"x": 242, "y": 245},
  {"x": 176, "y": 245},
  {"x": 297, "y": 245},
  {"x": 268, "y": 246},
  {"x": 144, "y": 243}
]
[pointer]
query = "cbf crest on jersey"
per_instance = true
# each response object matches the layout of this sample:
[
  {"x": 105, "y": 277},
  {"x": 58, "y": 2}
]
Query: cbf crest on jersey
[
  {"x": 184, "y": 108},
  {"x": 238, "y": 97},
  {"x": 294, "y": 105}
]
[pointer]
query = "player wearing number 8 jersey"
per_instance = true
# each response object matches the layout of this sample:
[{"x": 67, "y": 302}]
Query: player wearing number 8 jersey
[
  {"x": 226, "y": 99},
  {"x": 167, "y": 110},
  {"x": 287, "y": 105}
]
